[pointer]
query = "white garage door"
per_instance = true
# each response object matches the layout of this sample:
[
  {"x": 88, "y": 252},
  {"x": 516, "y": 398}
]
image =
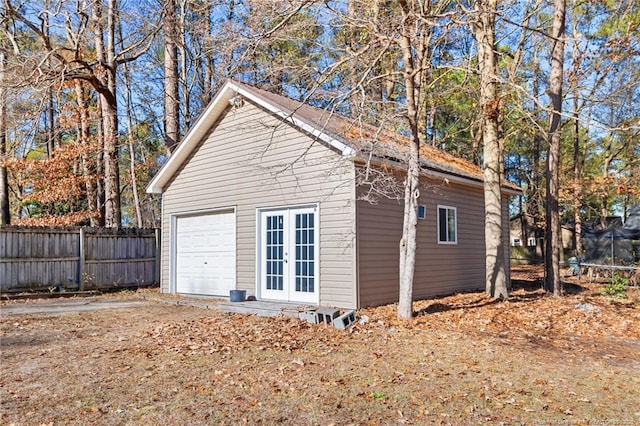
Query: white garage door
[{"x": 206, "y": 254}]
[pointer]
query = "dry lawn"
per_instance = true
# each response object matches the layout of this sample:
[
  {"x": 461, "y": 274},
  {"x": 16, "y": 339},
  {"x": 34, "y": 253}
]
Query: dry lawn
[{"x": 464, "y": 359}]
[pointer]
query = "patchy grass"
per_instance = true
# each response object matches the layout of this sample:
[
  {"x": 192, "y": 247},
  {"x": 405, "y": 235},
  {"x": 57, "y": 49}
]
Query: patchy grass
[{"x": 534, "y": 359}]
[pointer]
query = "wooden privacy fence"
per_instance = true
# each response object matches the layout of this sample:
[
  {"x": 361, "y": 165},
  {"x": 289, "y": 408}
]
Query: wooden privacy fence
[{"x": 77, "y": 258}]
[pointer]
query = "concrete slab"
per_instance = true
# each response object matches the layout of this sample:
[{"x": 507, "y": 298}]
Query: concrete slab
[
  {"x": 65, "y": 306},
  {"x": 263, "y": 308}
]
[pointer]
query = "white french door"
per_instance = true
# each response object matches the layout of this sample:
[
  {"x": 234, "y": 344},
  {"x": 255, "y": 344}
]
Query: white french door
[{"x": 288, "y": 248}]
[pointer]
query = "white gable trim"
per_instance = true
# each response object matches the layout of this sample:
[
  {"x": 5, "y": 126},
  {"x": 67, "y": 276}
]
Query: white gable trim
[{"x": 211, "y": 114}]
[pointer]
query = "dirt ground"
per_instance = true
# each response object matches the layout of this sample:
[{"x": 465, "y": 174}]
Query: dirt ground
[{"x": 464, "y": 359}]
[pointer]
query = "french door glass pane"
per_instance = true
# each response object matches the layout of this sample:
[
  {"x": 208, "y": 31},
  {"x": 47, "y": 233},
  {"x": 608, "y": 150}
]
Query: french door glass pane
[
  {"x": 304, "y": 268},
  {"x": 275, "y": 252}
]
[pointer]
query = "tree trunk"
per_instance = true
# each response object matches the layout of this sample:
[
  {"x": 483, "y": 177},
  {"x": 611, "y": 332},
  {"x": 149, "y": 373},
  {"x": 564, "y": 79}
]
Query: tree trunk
[
  {"x": 496, "y": 281},
  {"x": 535, "y": 202},
  {"x": 85, "y": 160},
  {"x": 171, "y": 105},
  {"x": 51, "y": 124},
  {"x": 111, "y": 172},
  {"x": 100, "y": 168},
  {"x": 577, "y": 177},
  {"x": 552, "y": 255},
  {"x": 132, "y": 153},
  {"x": 106, "y": 87},
  {"x": 408, "y": 243},
  {"x": 50, "y": 114},
  {"x": 207, "y": 57},
  {"x": 5, "y": 212},
  {"x": 604, "y": 199},
  {"x": 578, "y": 161},
  {"x": 184, "y": 93},
  {"x": 113, "y": 215}
]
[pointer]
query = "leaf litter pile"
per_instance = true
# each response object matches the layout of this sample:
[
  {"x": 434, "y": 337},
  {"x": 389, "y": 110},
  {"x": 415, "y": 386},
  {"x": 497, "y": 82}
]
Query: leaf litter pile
[{"x": 463, "y": 359}]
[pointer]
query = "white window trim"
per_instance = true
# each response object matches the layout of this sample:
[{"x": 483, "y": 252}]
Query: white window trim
[{"x": 455, "y": 224}]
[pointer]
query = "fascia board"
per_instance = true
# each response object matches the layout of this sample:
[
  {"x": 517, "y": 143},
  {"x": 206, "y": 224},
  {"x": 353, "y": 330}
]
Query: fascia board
[{"x": 438, "y": 175}]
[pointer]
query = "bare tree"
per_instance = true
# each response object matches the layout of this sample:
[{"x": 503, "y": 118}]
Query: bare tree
[
  {"x": 105, "y": 84},
  {"x": 5, "y": 213},
  {"x": 412, "y": 77},
  {"x": 131, "y": 145},
  {"x": 578, "y": 157},
  {"x": 552, "y": 241},
  {"x": 206, "y": 57},
  {"x": 86, "y": 161},
  {"x": 535, "y": 192},
  {"x": 171, "y": 95},
  {"x": 51, "y": 106},
  {"x": 66, "y": 59}
]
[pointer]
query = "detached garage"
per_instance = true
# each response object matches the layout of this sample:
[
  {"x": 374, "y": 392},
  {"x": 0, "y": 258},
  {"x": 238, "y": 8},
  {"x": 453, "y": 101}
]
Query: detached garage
[
  {"x": 205, "y": 253},
  {"x": 272, "y": 196}
]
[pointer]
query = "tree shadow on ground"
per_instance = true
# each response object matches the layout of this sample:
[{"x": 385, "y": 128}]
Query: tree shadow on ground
[
  {"x": 522, "y": 291},
  {"x": 535, "y": 287},
  {"x": 444, "y": 307}
]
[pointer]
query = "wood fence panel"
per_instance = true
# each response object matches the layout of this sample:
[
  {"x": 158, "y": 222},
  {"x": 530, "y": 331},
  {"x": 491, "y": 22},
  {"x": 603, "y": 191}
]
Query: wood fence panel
[
  {"x": 114, "y": 260},
  {"x": 42, "y": 258},
  {"x": 36, "y": 260}
]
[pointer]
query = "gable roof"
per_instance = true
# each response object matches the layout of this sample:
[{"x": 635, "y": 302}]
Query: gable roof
[
  {"x": 348, "y": 137},
  {"x": 300, "y": 115}
]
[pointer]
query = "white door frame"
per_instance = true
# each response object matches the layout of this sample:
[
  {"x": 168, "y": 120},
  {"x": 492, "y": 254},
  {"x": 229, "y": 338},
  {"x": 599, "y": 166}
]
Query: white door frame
[{"x": 295, "y": 263}]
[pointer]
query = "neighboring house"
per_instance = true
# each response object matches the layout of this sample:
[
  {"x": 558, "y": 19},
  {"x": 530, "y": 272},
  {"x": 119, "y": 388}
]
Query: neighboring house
[
  {"x": 275, "y": 197},
  {"x": 527, "y": 239},
  {"x": 524, "y": 232}
]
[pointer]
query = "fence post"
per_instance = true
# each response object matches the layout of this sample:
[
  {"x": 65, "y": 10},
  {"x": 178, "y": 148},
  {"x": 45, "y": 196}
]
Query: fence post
[
  {"x": 613, "y": 254},
  {"x": 81, "y": 259}
]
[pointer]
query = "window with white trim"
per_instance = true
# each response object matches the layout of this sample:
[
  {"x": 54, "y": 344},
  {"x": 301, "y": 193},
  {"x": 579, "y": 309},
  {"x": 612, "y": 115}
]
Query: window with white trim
[{"x": 447, "y": 225}]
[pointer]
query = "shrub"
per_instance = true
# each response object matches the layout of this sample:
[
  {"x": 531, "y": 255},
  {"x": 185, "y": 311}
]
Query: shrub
[{"x": 617, "y": 288}]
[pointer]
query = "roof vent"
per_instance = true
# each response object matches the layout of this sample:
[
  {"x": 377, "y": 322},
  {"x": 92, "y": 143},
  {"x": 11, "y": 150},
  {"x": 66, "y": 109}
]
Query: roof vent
[{"x": 236, "y": 101}]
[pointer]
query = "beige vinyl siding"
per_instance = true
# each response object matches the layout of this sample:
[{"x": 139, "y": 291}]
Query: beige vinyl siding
[
  {"x": 252, "y": 160},
  {"x": 440, "y": 268}
]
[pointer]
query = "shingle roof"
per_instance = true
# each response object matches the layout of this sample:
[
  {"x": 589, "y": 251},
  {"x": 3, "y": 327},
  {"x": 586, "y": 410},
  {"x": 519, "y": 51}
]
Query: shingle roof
[
  {"x": 366, "y": 139},
  {"x": 347, "y": 135}
]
